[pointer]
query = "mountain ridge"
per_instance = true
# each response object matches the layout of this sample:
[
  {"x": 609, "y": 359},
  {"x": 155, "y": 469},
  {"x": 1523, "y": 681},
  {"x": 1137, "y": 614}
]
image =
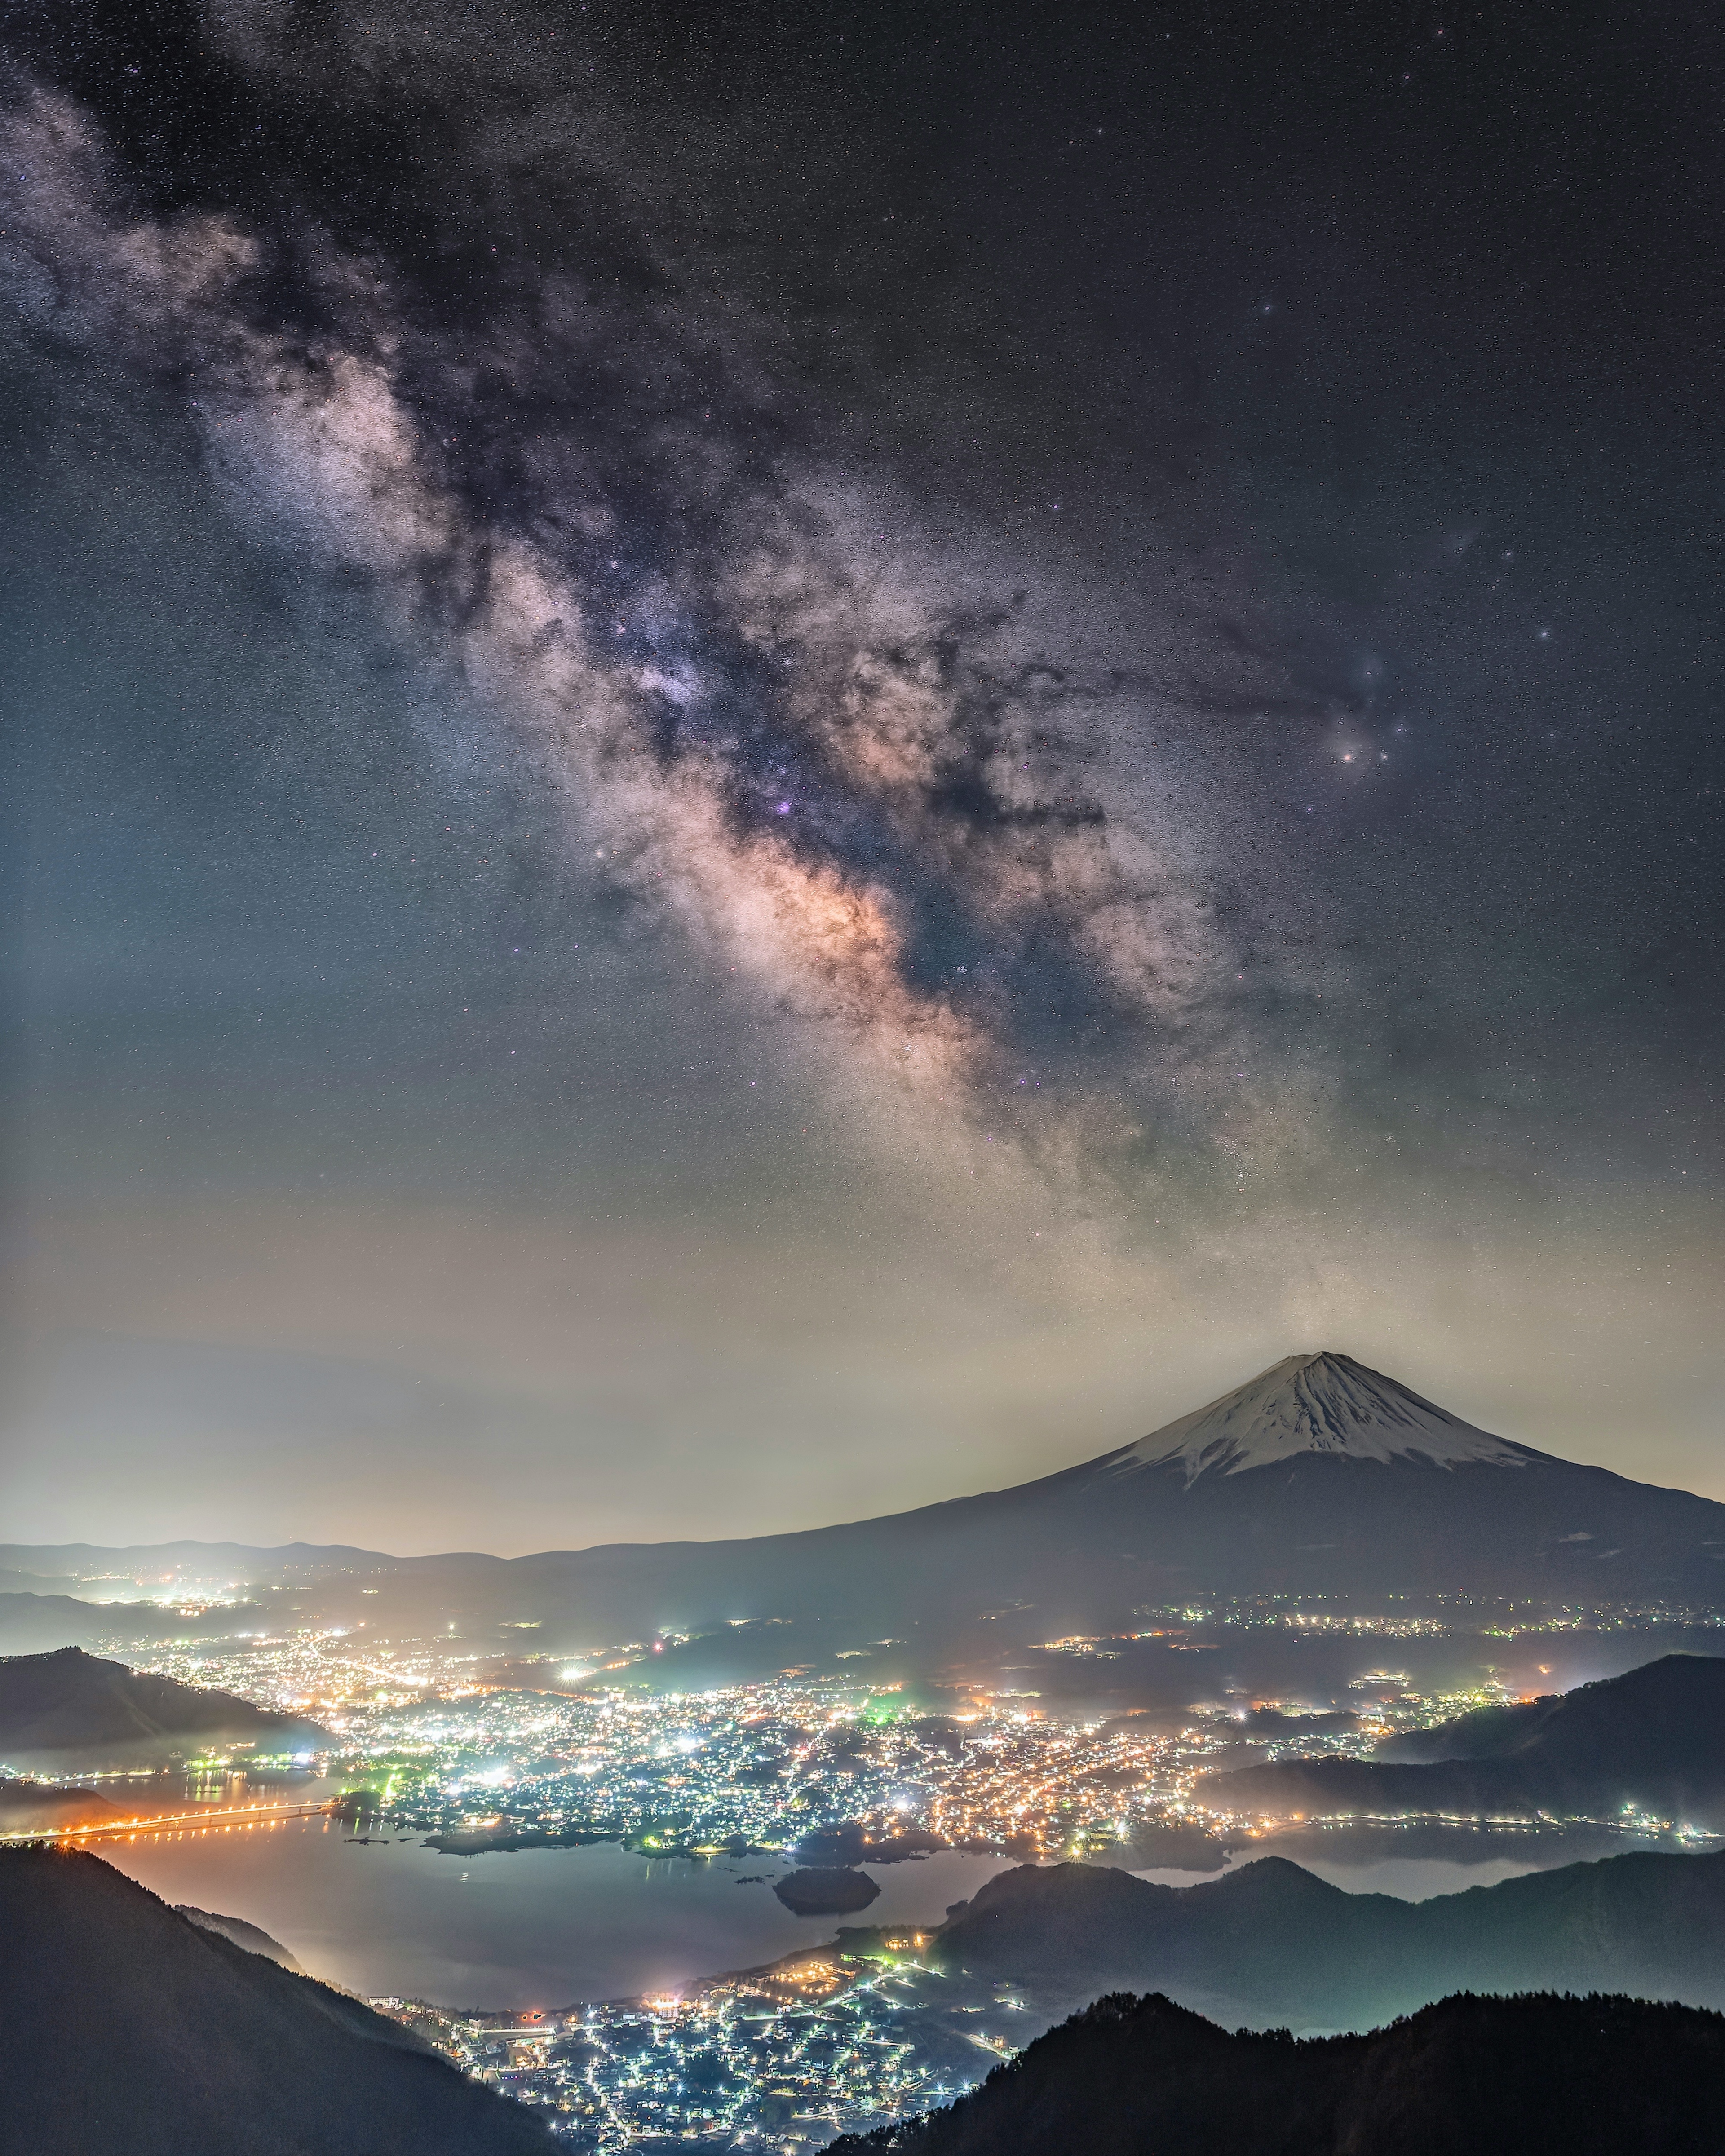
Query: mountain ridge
[
  {"x": 1530, "y": 2075},
  {"x": 1271, "y": 1943},
  {"x": 1653, "y": 1738},
  {"x": 251, "y": 1937},
  {"x": 68, "y": 1703},
  {"x": 1088, "y": 1544},
  {"x": 123, "y": 2025}
]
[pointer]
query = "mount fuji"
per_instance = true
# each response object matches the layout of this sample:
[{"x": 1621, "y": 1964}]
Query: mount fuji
[
  {"x": 1318, "y": 1477},
  {"x": 1328, "y": 1404}
]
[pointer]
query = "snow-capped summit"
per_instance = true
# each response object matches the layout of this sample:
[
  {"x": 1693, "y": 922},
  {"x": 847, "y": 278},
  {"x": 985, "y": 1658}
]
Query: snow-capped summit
[{"x": 1325, "y": 1404}]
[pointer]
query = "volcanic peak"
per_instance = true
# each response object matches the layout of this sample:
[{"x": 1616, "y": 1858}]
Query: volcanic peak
[{"x": 1324, "y": 1404}]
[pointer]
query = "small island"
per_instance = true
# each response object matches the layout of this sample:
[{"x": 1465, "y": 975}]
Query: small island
[{"x": 825, "y": 1891}]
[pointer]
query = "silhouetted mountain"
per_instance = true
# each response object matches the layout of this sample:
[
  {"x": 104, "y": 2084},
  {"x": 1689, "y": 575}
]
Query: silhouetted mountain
[
  {"x": 1271, "y": 1943},
  {"x": 125, "y": 2027},
  {"x": 243, "y": 1934},
  {"x": 1654, "y": 1738},
  {"x": 1529, "y": 2077},
  {"x": 71, "y": 1704},
  {"x": 1320, "y": 1476},
  {"x": 33, "y": 1584},
  {"x": 44, "y": 1807},
  {"x": 1473, "y": 1736},
  {"x": 32, "y": 1623}
]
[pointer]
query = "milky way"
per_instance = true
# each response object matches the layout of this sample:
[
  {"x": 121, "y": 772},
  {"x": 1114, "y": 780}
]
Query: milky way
[
  {"x": 849, "y": 760},
  {"x": 800, "y": 743}
]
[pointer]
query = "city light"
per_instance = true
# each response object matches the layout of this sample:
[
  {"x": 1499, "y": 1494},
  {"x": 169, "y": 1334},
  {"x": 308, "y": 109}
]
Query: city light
[{"x": 465, "y": 1748}]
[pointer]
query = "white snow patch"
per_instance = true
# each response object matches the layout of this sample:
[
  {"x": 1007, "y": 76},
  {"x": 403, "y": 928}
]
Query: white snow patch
[{"x": 1314, "y": 1404}]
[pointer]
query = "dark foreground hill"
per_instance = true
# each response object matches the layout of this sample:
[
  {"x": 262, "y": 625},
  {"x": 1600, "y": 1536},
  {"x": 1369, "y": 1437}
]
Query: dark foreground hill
[
  {"x": 1272, "y": 1943},
  {"x": 1535, "y": 2075},
  {"x": 123, "y": 2027},
  {"x": 73, "y": 1705},
  {"x": 1654, "y": 1738}
]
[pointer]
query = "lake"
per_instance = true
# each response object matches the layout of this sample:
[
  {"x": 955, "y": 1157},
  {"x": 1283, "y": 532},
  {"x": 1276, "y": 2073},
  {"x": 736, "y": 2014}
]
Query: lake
[
  {"x": 546, "y": 1927},
  {"x": 509, "y": 1929}
]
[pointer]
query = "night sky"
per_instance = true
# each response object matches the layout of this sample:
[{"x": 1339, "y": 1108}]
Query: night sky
[{"x": 763, "y": 761}]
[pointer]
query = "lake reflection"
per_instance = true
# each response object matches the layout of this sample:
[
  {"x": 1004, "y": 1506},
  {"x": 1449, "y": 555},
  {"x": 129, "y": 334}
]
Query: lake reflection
[
  {"x": 547, "y": 1927},
  {"x": 527, "y": 1928}
]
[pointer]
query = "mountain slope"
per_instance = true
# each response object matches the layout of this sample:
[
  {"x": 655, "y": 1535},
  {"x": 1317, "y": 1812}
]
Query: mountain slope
[
  {"x": 71, "y": 1704},
  {"x": 1476, "y": 1735},
  {"x": 254, "y": 1939},
  {"x": 1317, "y": 1476},
  {"x": 123, "y": 2026},
  {"x": 34, "y": 1623},
  {"x": 1529, "y": 2077},
  {"x": 1654, "y": 1738},
  {"x": 1326, "y": 1404},
  {"x": 1272, "y": 1943}
]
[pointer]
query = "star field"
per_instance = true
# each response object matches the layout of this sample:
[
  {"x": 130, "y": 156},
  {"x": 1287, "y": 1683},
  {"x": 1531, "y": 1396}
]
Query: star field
[{"x": 830, "y": 749}]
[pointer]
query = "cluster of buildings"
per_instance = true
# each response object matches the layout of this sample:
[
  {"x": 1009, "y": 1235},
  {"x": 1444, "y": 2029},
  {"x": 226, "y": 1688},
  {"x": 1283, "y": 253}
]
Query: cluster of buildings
[
  {"x": 458, "y": 1746},
  {"x": 783, "y": 2061},
  {"x": 438, "y": 1742},
  {"x": 481, "y": 1755}
]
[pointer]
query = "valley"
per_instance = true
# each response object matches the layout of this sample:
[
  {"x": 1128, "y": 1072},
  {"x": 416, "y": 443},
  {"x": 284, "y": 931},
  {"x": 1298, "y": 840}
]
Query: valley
[{"x": 538, "y": 1857}]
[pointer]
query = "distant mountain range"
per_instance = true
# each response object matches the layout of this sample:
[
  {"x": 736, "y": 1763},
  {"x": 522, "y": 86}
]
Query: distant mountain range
[
  {"x": 1272, "y": 1943},
  {"x": 1654, "y": 1739},
  {"x": 71, "y": 1706},
  {"x": 1318, "y": 1477},
  {"x": 124, "y": 2025},
  {"x": 183, "y": 1568},
  {"x": 1529, "y": 2077}
]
